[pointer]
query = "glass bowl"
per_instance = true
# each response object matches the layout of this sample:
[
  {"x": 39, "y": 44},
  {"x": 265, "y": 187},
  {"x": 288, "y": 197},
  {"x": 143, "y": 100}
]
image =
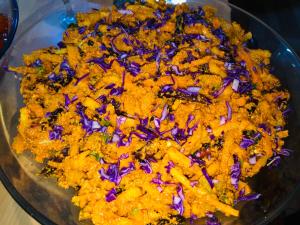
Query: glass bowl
[
  {"x": 9, "y": 13},
  {"x": 50, "y": 204}
]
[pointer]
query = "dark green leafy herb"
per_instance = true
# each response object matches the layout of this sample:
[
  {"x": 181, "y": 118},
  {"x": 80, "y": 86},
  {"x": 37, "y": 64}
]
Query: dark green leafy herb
[
  {"x": 95, "y": 155},
  {"x": 41, "y": 70},
  {"x": 179, "y": 24},
  {"x": 106, "y": 137},
  {"x": 47, "y": 171},
  {"x": 105, "y": 122}
]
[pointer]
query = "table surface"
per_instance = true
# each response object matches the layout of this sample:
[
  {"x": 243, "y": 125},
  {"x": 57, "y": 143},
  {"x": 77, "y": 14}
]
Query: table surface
[{"x": 11, "y": 212}]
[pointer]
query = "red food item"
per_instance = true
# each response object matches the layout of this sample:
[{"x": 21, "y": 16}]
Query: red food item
[{"x": 3, "y": 29}]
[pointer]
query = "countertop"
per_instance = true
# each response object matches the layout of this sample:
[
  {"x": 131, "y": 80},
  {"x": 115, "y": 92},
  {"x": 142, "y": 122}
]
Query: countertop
[{"x": 11, "y": 212}]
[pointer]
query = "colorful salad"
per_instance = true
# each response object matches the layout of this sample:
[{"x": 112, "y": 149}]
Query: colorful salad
[{"x": 153, "y": 113}]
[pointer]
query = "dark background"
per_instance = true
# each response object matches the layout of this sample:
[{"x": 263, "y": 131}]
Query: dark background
[{"x": 284, "y": 17}]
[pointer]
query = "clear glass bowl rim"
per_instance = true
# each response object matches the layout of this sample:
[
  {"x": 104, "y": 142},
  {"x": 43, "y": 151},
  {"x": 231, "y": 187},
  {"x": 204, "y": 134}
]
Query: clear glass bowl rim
[{"x": 36, "y": 214}]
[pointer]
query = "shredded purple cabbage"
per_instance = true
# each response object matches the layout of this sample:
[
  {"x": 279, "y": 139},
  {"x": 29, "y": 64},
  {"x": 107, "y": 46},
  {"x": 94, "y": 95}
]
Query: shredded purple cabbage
[
  {"x": 246, "y": 142},
  {"x": 286, "y": 112},
  {"x": 178, "y": 134},
  {"x": 235, "y": 172},
  {"x": 200, "y": 37},
  {"x": 158, "y": 181},
  {"x": 194, "y": 183},
  {"x": 194, "y": 159},
  {"x": 155, "y": 55},
  {"x": 116, "y": 91},
  {"x": 89, "y": 125},
  {"x": 125, "y": 12},
  {"x": 111, "y": 195},
  {"x": 69, "y": 101},
  {"x": 134, "y": 68},
  {"x": 165, "y": 112},
  {"x": 245, "y": 87},
  {"x": 169, "y": 166},
  {"x": 64, "y": 66},
  {"x": 193, "y": 218},
  {"x": 101, "y": 62},
  {"x": 103, "y": 98},
  {"x": 114, "y": 173},
  {"x": 120, "y": 120},
  {"x": 82, "y": 29},
  {"x": 166, "y": 88},
  {"x": 235, "y": 85},
  {"x": 178, "y": 201},
  {"x": 152, "y": 24},
  {"x": 229, "y": 111},
  {"x": 226, "y": 82},
  {"x": 220, "y": 34},
  {"x": 54, "y": 77},
  {"x": 193, "y": 90},
  {"x": 61, "y": 44},
  {"x": 208, "y": 178},
  {"x": 252, "y": 160},
  {"x": 193, "y": 18},
  {"x": 172, "y": 50},
  {"x": 102, "y": 109},
  {"x": 144, "y": 122},
  {"x": 56, "y": 133},
  {"x": 146, "y": 166},
  {"x": 222, "y": 120},
  {"x": 171, "y": 117},
  {"x": 211, "y": 219},
  {"x": 249, "y": 197},
  {"x": 149, "y": 133},
  {"x": 37, "y": 63},
  {"x": 285, "y": 152},
  {"x": 81, "y": 78},
  {"x": 110, "y": 86},
  {"x": 265, "y": 128},
  {"x": 126, "y": 170}
]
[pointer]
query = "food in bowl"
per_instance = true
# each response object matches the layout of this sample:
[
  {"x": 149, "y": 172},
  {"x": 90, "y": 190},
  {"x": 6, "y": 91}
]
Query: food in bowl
[{"x": 153, "y": 113}]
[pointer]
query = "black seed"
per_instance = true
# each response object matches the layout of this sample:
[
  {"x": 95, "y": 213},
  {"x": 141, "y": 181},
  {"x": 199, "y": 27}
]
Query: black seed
[
  {"x": 65, "y": 151},
  {"x": 90, "y": 43},
  {"x": 98, "y": 33}
]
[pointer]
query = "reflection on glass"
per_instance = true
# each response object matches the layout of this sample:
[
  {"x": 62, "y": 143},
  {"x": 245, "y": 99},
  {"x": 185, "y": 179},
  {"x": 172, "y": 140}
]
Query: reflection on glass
[{"x": 68, "y": 17}]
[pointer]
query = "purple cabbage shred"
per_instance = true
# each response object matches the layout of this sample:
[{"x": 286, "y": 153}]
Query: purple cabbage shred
[
  {"x": 211, "y": 219},
  {"x": 178, "y": 201},
  {"x": 56, "y": 133},
  {"x": 146, "y": 166},
  {"x": 208, "y": 178},
  {"x": 235, "y": 172},
  {"x": 111, "y": 195},
  {"x": 169, "y": 166}
]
